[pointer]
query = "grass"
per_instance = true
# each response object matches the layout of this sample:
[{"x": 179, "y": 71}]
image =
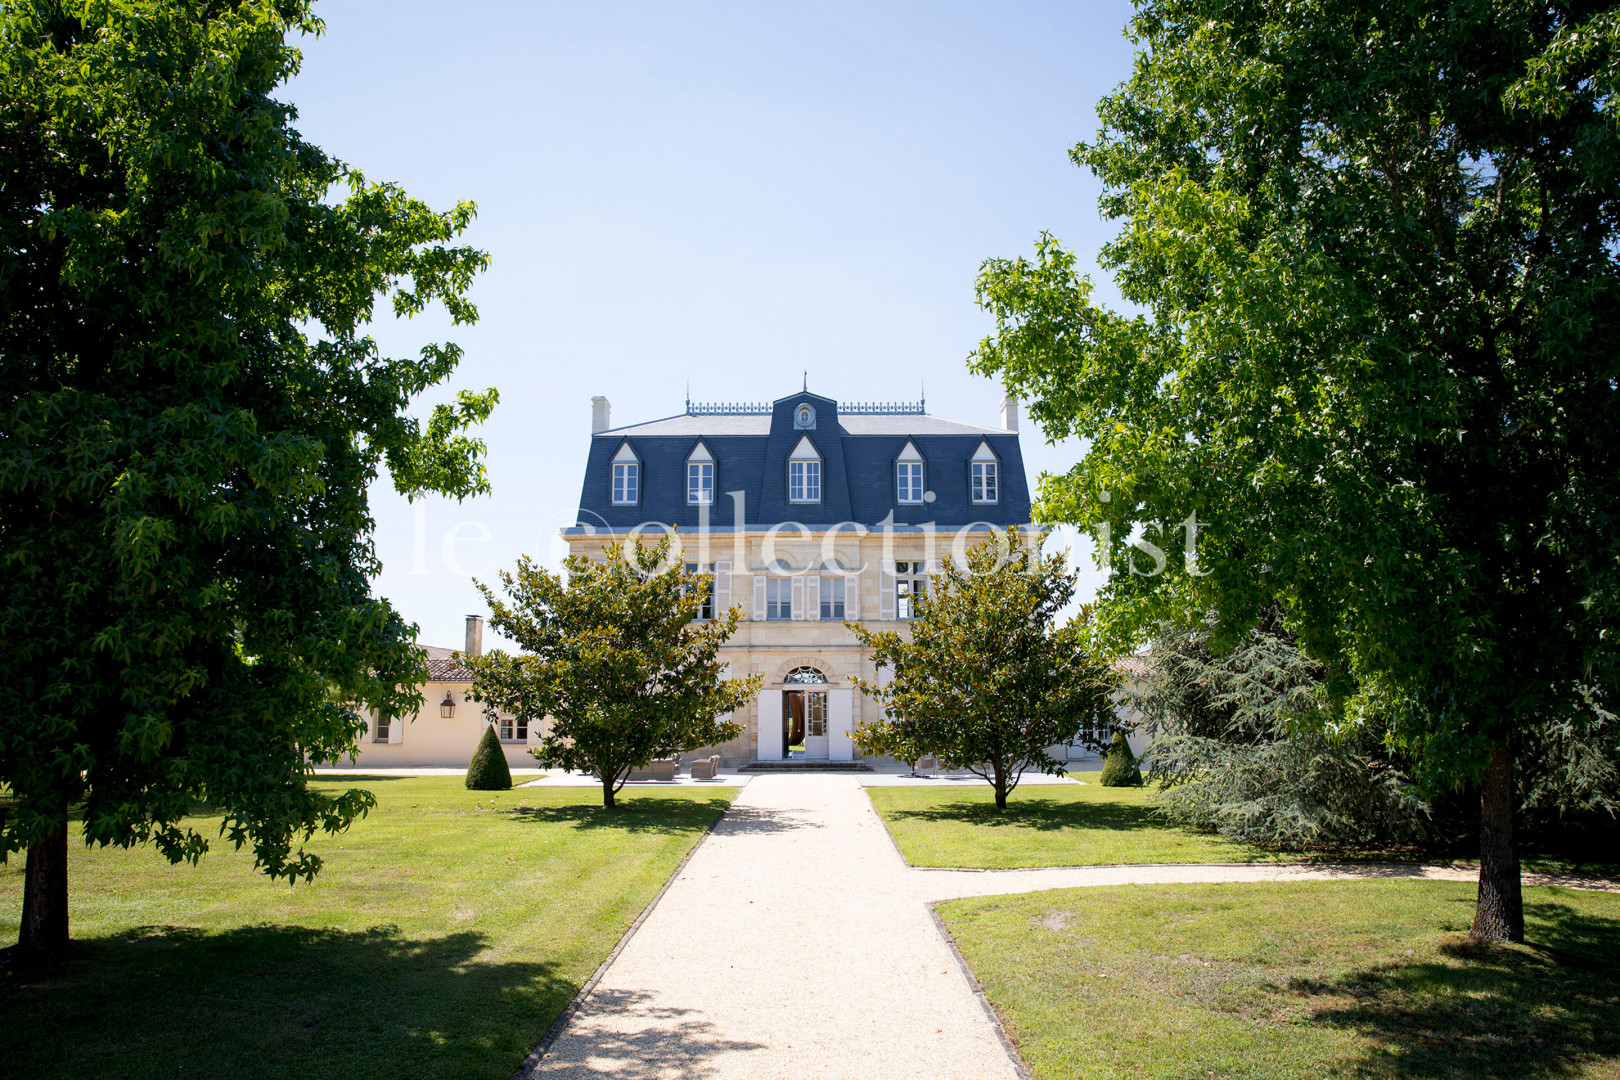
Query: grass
[
  {"x": 1043, "y": 825},
  {"x": 1296, "y": 981},
  {"x": 445, "y": 934}
]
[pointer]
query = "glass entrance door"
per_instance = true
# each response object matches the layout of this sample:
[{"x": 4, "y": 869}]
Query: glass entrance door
[{"x": 804, "y": 715}]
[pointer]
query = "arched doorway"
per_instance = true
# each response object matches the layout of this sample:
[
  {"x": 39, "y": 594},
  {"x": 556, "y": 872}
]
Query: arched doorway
[{"x": 804, "y": 715}]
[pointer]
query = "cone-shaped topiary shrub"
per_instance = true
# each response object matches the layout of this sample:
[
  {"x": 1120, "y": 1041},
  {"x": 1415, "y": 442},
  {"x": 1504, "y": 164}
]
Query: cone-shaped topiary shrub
[
  {"x": 1121, "y": 769},
  {"x": 487, "y": 770}
]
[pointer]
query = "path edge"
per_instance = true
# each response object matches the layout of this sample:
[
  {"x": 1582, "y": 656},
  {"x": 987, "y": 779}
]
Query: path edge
[
  {"x": 531, "y": 1064},
  {"x": 979, "y": 995}
]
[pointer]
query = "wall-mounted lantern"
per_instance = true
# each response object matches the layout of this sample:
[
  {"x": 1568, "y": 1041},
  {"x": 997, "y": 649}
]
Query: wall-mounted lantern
[{"x": 447, "y": 708}]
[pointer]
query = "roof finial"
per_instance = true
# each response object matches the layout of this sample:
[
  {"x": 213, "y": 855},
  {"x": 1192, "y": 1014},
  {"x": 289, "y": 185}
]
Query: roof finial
[
  {"x": 688, "y": 397},
  {"x": 807, "y": 381},
  {"x": 922, "y": 395}
]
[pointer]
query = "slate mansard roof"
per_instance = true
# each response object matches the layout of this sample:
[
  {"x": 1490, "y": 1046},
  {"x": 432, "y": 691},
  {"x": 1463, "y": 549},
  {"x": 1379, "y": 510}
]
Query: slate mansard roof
[{"x": 858, "y": 454}]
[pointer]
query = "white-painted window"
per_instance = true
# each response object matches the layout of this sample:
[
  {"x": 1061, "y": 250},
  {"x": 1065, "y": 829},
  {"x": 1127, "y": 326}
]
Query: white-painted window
[
  {"x": 804, "y": 473},
  {"x": 778, "y": 598},
  {"x": 985, "y": 486},
  {"x": 909, "y": 481},
  {"x": 910, "y": 585},
  {"x": 514, "y": 729},
  {"x": 832, "y": 597},
  {"x": 699, "y": 482},
  {"x": 707, "y": 610},
  {"x": 379, "y": 732}
]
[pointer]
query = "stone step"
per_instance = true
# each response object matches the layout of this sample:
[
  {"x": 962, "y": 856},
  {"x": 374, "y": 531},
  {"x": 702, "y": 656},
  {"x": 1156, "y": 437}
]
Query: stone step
[{"x": 806, "y": 766}]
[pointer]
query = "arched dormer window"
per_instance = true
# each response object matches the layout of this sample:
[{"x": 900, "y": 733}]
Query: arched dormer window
[
  {"x": 985, "y": 477},
  {"x": 626, "y": 477},
  {"x": 699, "y": 476},
  {"x": 908, "y": 475},
  {"x": 804, "y": 473}
]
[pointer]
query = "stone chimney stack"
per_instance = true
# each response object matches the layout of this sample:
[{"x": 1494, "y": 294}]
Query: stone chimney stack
[
  {"x": 1009, "y": 413},
  {"x": 601, "y": 411},
  {"x": 475, "y": 636}
]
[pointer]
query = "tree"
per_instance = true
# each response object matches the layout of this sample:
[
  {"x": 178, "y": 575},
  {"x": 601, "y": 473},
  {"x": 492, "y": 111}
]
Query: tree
[
  {"x": 1239, "y": 748},
  {"x": 985, "y": 681},
  {"x": 190, "y": 418},
  {"x": 1120, "y": 769},
  {"x": 617, "y": 660},
  {"x": 1373, "y": 248},
  {"x": 488, "y": 771}
]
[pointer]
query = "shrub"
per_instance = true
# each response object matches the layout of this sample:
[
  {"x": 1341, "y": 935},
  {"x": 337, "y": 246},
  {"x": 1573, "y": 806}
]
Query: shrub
[
  {"x": 1121, "y": 769},
  {"x": 487, "y": 771}
]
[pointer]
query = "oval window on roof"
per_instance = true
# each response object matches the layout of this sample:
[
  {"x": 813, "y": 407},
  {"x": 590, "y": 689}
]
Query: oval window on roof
[{"x": 804, "y": 416}]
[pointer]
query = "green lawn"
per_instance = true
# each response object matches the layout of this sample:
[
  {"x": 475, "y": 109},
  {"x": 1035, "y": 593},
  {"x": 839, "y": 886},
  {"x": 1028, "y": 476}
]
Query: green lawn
[
  {"x": 1297, "y": 980},
  {"x": 445, "y": 934},
  {"x": 1043, "y": 825}
]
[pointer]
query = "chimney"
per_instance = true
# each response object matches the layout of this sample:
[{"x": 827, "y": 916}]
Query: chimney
[
  {"x": 1009, "y": 413},
  {"x": 600, "y": 411},
  {"x": 475, "y": 636}
]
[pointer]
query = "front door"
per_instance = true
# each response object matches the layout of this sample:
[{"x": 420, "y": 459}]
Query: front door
[{"x": 804, "y": 724}]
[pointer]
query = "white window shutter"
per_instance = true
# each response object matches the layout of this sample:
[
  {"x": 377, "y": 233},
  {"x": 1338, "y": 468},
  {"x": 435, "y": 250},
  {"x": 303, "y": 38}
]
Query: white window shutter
[
  {"x": 722, "y": 587},
  {"x": 812, "y": 597},
  {"x": 886, "y": 591},
  {"x": 396, "y": 729},
  {"x": 798, "y": 596},
  {"x": 759, "y": 597},
  {"x": 852, "y": 597}
]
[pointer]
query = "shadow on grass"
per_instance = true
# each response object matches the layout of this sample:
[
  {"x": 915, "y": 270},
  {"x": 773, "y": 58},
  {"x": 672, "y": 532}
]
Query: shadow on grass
[
  {"x": 638, "y": 813},
  {"x": 1038, "y": 812},
  {"x": 1544, "y": 1011},
  {"x": 276, "y": 1001}
]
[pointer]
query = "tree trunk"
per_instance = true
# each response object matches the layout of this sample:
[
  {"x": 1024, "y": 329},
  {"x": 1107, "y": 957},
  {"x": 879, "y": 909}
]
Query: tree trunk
[
  {"x": 1000, "y": 785},
  {"x": 1499, "y": 913},
  {"x": 45, "y": 896},
  {"x": 607, "y": 791}
]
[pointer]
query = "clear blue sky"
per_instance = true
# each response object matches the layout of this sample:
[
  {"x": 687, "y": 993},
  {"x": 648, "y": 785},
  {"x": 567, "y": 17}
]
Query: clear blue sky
[{"x": 723, "y": 194}]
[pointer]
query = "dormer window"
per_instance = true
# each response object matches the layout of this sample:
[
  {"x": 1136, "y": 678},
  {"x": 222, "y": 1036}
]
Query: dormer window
[
  {"x": 626, "y": 477},
  {"x": 700, "y": 476},
  {"x": 908, "y": 475},
  {"x": 804, "y": 473},
  {"x": 986, "y": 475}
]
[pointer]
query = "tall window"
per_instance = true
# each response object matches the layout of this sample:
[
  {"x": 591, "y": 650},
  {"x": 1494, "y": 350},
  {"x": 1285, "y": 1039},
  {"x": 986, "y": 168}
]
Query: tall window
[
  {"x": 699, "y": 482},
  {"x": 804, "y": 481},
  {"x": 909, "y": 481},
  {"x": 832, "y": 597},
  {"x": 910, "y": 585},
  {"x": 626, "y": 483},
  {"x": 984, "y": 482},
  {"x": 778, "y": 598},
  {"x": 514, "y": 730},
  {"x": 707, "y": 610},
  {"x": 379, "y": 732}
]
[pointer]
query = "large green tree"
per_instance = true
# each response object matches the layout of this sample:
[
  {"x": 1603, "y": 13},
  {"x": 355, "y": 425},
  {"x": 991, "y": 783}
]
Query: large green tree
[
  {"x": 617, "y": 668},
  {"x": 984, "y": 678},
  {"x": 190, "y": 419},
  {"x": 1371, "y": 249}
]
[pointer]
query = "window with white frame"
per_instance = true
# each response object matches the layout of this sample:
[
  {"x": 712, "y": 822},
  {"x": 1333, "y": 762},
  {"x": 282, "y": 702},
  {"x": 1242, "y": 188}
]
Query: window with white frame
[
  {"x": 379, "y": 731},
  {"x": 626, "y": 477},
  {"x": 804, "y": 473},
  {"x": 699, "y": 482},
  {"x": 910, "y": 585},
  {"x": 514, "y": 729},
  {"x": 700, "y": 476},
  {"x": 706, "y": 611},
  {"x": 908, "y": 475},
  {"x": 778, "y": 598},
  {"x": 832, "y": 597},
  {"x": 986, "y": 476}
]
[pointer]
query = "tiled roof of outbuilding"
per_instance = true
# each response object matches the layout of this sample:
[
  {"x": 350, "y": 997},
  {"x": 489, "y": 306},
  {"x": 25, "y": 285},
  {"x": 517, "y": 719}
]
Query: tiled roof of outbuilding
[{"x": 441, "y": 668}]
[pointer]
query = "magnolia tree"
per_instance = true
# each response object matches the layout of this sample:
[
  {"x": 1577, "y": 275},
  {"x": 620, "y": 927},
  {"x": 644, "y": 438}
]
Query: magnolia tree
[
  {"x": 614, "y": 658},
  {"x": 984, "y": 680},
  {"x": 191, "y": 421},
  {"x": 1370, "y": 253}
]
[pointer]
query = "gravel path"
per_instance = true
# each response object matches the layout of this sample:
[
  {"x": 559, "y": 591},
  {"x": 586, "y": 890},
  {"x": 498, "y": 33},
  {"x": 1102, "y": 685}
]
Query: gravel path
[{"x": 797, "y": 944}]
